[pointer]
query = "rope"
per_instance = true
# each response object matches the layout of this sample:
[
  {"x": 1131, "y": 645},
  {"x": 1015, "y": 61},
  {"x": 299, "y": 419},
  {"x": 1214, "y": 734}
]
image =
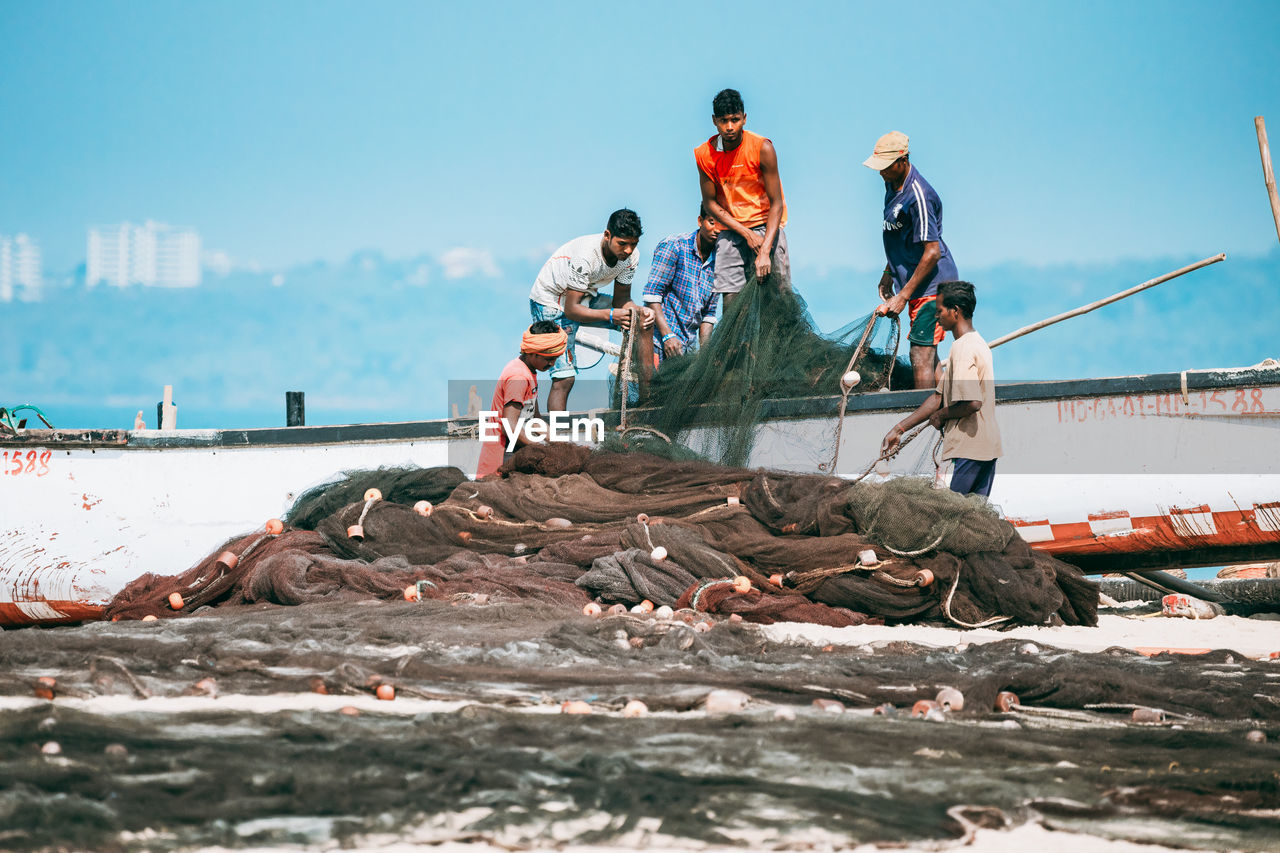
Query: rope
[
  {"x": 703, "y": 587},
  {"x": 659, "y": 433},
  {"x": 924, "y": 550},
  {"x": 946, "y": 608},
  {"x": 624, "y": 369},
  {"x": 858, "y": 352},
  {"x": 902, "y": 443}
]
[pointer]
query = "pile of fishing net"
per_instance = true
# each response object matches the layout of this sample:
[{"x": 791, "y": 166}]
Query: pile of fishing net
[
  {"x": 566, "y": 525},
  {"x": 765, "y": 348}
]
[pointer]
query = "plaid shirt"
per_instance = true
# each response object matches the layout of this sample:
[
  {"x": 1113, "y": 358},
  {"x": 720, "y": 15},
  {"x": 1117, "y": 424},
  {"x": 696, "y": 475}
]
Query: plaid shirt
[{"x": 685, "y": 284}]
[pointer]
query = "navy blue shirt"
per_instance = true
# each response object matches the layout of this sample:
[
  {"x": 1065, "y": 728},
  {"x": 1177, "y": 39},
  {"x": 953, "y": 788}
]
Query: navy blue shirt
[{"x": 913, "y": 217}]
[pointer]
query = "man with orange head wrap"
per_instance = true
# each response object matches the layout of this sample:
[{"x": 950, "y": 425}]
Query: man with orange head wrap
[{"x": 516, "y": 396}]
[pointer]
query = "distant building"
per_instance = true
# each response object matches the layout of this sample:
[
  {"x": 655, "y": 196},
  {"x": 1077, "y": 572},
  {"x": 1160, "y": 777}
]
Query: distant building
[
  {"x": 151, "y": 254},
  {"x": 20, "y": 268}
]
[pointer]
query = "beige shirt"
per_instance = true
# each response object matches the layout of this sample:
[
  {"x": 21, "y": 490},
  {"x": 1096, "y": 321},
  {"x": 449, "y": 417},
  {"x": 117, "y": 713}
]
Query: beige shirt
[{"x": 967, "y": 374}]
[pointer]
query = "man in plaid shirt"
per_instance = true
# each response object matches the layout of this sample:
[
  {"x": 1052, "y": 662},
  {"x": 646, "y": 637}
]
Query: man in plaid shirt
[{"x": 681, "y": 290}]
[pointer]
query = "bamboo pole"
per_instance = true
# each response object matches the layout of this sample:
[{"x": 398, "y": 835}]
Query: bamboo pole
[
  {"x": 1260, "y": 125},
  {"x": 1085, "y": 309}
]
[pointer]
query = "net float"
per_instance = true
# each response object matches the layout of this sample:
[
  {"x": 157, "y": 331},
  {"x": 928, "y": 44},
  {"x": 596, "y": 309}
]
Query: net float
[
  {"x": 227, "y": 560},
  {"x": 412, "y": 593},
  {"x": 207, "y": 686},
  {"x": 646, "y": 606},
  {"x": 850, "y": 380},
  {"x": 733, "y": 500},
  {"x": 735, "y": 617},
  {"x": 356, "y": 532},
  {"x": 150, "y": 617},
  {"x": 663, "y": 612},
  {"x": 776, "y": 580},
  {"x": 558, "y": 523},
  {"x": 702, "y": 627},
  {"x": 1148, "y": 715},
  {"x": 658, "y": 554},
  {"x": 868, "y": 558},
  {"x": 385, "y": 692},
  {"x": 372, "y": 495},
  {"x": 789, "y": 528},
  {"x": 51, "y": 748},
  {"x": 423, "y": 508},
  {"x": 575, "y": 706},
  {"x": 950, "y": 699},
  {"x": 924, "y": 577},
  {"x": 349, "y": 711},
  {"x": 465, "y": 536},
  {"x": 923, "y": 707},
  {"x": 44, "y": 686},
  {"x": 635, "y": 708},
  {"x": 591, "y": 609},
  {"x": 175, "y": 600},
  {"x": 1256, "y": 736},
  {"x": 831, "y": 706},
  {"x": 1006, "y": 701},
  {"x": 642, "y": 518},
  {"x": 318, "y": 686},
  {"x": 638, "y": 610},
  {"x": 885, "y": 710},
  {"x": 275, "y": 526},
  {"x": 484, "y": 512},
  {"x": 617, "y": 609},
  {"x": 742, "y": 584}
]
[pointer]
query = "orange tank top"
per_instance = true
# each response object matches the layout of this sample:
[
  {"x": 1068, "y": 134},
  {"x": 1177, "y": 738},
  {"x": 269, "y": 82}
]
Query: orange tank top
[{"x": 736, "y": 174}]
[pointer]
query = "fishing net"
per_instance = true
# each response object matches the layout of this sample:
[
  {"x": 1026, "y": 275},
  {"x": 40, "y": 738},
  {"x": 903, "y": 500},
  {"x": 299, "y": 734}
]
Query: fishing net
[
  {"x": 566, "y": 525},
  {"x": 765, "y": 347},
  {"x": 222, "y": 731}
]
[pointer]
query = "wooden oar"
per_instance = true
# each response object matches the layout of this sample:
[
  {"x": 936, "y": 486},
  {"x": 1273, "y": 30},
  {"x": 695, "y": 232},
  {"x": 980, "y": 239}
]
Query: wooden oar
[
  {"x": 1085, "y": 309},
  {"x": 1268, "y": 177}
]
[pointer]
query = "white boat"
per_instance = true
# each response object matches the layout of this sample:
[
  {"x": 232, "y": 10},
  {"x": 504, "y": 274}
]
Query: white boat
[{"x": 1130, "y": 472}]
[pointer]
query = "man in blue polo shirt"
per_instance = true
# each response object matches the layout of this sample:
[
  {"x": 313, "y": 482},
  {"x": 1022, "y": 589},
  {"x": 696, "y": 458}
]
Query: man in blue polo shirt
[
  {"x": 681, "y": 290},
  {"x": 918, "y": 259}
]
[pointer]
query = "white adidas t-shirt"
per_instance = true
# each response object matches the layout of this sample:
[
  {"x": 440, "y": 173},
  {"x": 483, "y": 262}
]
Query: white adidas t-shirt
[{"x": 579, "y": 265}]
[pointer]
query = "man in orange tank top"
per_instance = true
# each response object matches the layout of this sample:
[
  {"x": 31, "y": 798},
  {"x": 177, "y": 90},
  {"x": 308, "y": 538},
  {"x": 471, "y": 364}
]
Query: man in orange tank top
[{"x": 738, "y": 173}]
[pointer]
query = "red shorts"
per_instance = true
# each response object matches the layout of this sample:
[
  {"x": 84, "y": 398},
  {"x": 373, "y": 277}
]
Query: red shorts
[{"x": 923, "y": 313}]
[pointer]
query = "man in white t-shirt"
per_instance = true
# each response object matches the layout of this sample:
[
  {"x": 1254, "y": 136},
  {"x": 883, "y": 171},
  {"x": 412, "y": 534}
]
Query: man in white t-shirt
[
  {"x": 571, "y": 279},
  {"x": 964, "y": 406}
]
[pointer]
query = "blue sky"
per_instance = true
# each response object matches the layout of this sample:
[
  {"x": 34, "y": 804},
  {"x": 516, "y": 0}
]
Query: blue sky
[
  {"x": 290, "y": 132},
  {"x": 1101, "y": 142}
]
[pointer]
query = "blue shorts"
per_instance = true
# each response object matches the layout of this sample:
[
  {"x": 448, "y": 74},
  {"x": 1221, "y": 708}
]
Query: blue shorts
[
  {"x": 565, "y": 365},
  {"x": 972, "y": 477}
]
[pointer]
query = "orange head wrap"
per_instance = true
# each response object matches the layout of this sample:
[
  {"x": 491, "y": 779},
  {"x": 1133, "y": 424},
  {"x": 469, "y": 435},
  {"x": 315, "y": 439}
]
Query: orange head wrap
[{"x": 552, "y": 345}]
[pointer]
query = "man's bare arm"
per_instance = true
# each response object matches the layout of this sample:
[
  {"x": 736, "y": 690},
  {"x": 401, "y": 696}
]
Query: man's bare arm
[
  {"x": 928, "y": 263},
  {"x": 704, "y": 333},
  {"x": 773, "y": 190},
  {"x": 709, "y": 199}
]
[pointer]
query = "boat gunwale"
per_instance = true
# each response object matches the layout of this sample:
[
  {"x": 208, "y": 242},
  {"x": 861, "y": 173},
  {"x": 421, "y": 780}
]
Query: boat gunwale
[{"x": 1016, "y": 391}]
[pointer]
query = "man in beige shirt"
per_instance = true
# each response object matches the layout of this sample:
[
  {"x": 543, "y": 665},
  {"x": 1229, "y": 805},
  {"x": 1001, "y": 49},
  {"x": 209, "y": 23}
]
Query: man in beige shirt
[{"x": 964, "y": 407}]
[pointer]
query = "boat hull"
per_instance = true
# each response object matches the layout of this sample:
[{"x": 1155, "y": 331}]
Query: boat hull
[{"x": 1131, "y": 472}]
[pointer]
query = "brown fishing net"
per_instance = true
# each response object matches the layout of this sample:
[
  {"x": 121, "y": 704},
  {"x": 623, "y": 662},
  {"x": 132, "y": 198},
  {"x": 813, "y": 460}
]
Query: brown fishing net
[{"x": 566, "y": 525}]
